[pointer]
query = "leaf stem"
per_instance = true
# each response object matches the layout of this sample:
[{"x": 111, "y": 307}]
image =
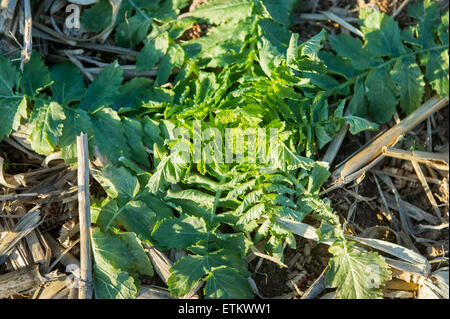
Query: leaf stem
[{"x": 382, "y": 65}]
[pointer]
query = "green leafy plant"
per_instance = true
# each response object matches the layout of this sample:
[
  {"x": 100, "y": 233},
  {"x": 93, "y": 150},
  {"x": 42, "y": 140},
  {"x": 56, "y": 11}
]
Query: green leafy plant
[
  {"x": 248, "y": 73},
  {"x": 390, "y": 64}
]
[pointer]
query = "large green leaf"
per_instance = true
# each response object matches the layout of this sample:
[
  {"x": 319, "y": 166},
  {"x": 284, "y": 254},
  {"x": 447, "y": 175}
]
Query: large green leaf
[
  {"x": 381, "y": 94},
  {"x": 9, "y": 77},
  {"x": 173, "y": 58},
  {"x": 220, "y": 11},
  {"x": 408, "y": 78},
  {"x": 132, "y": 31},
  {"x": 227, "y": 283},
  {"x": 134, "y": 132},
  {"x": 68, "y": 85},
  {"x": 109, "y": 135},
  {"x": 427, "y": 12},
  {"x": 272, "y": 44},
  {"x": 77, "y": 121},
  {"x": 112, "y": 260},
  {"x": 35, "y": 77},
  {"x": 170, "y": 170},
  {"x": 252, "y": 213},
  {"x": 187, "y": 272},
  {"x": 382, "y": 34},
  {"x": 180, "y": 232},
  {"x": 103, "y": 90},
  {"x": 141, "y": 263},
  {"x": 312, "y": 47},
  {"x": 352, "y": 48},
  {"x": 13, "y": 108},
  {"x": 358, "y": 275},
  {"x": 436, "y": 65},
  {"x": 97, "y": 17},
  {"x": 46, "y": 126},
  {"x": 192, "y": 202},
  {"x": 280, "y": 10},
  {"x": 153, "y": 50},
  {"x": 119, "y": 183},
  {"x": 358, "y": 104},
  {"x": 138, "y": 218}
]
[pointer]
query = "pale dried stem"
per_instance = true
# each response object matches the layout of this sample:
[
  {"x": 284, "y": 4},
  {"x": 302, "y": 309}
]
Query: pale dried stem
[
  {"x": 84, "y": 214},
  {"x": 435, "y": 160},
  {"x": 372, "y": 152},
  {"x": 426, "y": 188}
]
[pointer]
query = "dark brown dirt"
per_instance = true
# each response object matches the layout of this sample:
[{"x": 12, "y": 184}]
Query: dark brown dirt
[{"x": 305, "y": 264}]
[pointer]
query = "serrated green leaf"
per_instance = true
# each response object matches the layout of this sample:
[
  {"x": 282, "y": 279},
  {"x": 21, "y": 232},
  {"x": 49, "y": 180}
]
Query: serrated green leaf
[
  {"x": 272, "y": 44},
  {"x": 169, "y": 171},
  {"x": 35, "y": 77},
  {"x": 240, "y": 190},
  {"x": 236, "y": 242},
  {"x": 358, "y": 275},
  {"x": 289, "y": 213},
  {"x": 251, "y": 198},
  {"x": 157, "y": 205},
  {"x": 227, "y": 283},
  {"x": 291, "y": 53},
  {"x": 443, "y": 29},
  {"x": 9, "y": 77},
  {"x": 428, "y": 13},
  {"x": 118, "y": 183},
  {"x": 102, "y": 91},
  {"x": 152, "y": 133},
  {"x": 132, "y": 31},
  {"x": 13, "y": 108},
  {"x": 134, "y": 133},
  {"x": 152, "y": 52},
  {"x": 131, "y": 95},
  {"x": 274, "y": 246},
  {"x": 185, "y": 274},
  {"x": 382, "y": 34},
  {"x": 337, "y": 65},
  {"x": 109, "y": 135},
  {"x": 381, "y": 94},
  {"x": 77, "y": 121},
  {"x": 180, "y": 232},
  {"x": 46, "y": 126},
  {"x": 191, "y": 198},
  {"x": 352, "y": 48},
  {"x": 220, "y": 11},
  {"x": 280, "y": 10},
  {"x": 107, "y": 214},
  {"x": 138, "y": 218},
  {"x": 312, "y": 47},
  {"x": 408, "y": 78},
  {"x": 97, "y": 17},
  {"x": 141, "y": 263},
  {"x": 319, "y": 175},
  {"x": 68, "y": 85},
  {"x": 359, "y": 124},
  {"x": 436, "y": 65},
  {"x": 111, "y": 264},
  {"x": 111, "y": 283},
  {"x": 358, "y": 104},
  {"x": 252, "y": 213},
  {"x": 173, "y": 58}
]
